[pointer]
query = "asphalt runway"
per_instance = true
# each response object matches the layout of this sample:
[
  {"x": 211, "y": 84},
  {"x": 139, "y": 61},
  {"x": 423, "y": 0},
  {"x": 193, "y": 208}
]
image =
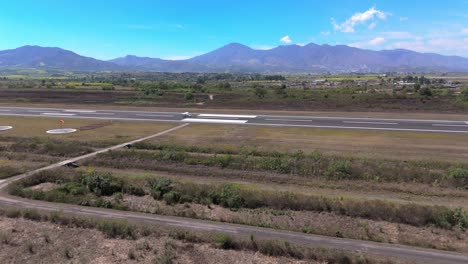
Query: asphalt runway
[{"x": 437, "y": 126}]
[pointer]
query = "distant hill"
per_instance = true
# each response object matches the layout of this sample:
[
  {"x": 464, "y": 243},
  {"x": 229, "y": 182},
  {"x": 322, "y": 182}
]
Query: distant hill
[
  {"x": 160, "y": 65},
  {"x": 340, "y": 58},
  {"x": 236, "y": 57},
  {"x": 51, "y": 58}
]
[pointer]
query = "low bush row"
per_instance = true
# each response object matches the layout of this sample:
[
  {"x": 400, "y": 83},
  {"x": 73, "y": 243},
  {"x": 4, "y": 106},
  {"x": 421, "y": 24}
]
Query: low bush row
[{"x": 311, "y": 165}]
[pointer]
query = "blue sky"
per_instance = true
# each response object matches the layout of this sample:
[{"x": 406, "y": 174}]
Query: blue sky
[{"x": 179, "y": 29}]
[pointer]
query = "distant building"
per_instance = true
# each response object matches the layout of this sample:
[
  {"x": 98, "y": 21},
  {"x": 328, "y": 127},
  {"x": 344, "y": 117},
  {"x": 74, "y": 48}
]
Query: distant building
[
  {"x": 319, "y": 81},
  {"x": 361, "y": 82},
  {"x": 403, "y": 83}
]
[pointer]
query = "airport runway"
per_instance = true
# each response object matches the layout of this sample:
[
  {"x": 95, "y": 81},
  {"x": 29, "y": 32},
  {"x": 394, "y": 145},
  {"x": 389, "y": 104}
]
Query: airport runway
[{"x": 439, "y": 126}]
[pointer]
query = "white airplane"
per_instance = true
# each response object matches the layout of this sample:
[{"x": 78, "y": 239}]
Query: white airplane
[{"x": 186, "y": 114}]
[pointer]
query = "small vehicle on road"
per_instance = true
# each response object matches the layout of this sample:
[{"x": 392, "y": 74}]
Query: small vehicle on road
[{"x": 186, "y": 114}]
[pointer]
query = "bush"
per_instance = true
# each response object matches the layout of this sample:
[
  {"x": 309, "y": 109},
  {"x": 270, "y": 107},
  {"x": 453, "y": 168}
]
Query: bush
[
  {"x": 117, "y": 229},
  {"x": 102, "y": 183},
  {"x": 159, "y": 187},
  {"x": 225, "y": 241},
  {"x": 73, "y": 188},
  {"x": 189, "y": 96},
  {"x": 460, "y": 176},
  {"x": 31, "y": 214},
  {"x": 171, "y": 197},
  {"x": 230, "y": 196},
  {"x": 426, "y": 91},
  {"x": 339, "y": 169}
]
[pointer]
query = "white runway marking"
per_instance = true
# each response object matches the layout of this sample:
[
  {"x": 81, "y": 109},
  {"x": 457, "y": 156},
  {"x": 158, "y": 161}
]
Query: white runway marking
[
  {"x": 58, "y": 114},
  {"x": 61, "y": 131},
  {"x": 220, "y": 115},
  {"x": 374, "y": 123},
  {"x": 80, "y": 111},
  {"x": 37, "y": 111},
  {"x": 296, "y": 120},
  {"x": 97, "y": 113},
  {"x": 450, "y": 125},
  {"x": 216, "y": 121},
  {"x": 215, "y": 117},
  {"x": 360, "y": 128},
  {"x": 154, "y": 115}
]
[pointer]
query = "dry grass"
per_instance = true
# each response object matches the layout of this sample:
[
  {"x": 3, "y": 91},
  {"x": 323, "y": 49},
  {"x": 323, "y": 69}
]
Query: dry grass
[
  {"x": 398, "y": 193},
  {"x": 379, "y": 144},
  {"x": 27, "y": 127},
  {"x": 58, "y": 244}
]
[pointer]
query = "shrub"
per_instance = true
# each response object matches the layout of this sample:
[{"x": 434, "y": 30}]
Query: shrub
[
  {"x": 171, "y": 197},
  {"x": 102, "y": 183},
  {"x": 230, "y": 196},
  {"x": 31, "y": 214},
  {"x": 117, "y": 229},
  {"x": 159, "y": 187},
  {"x": 339, "y": 169},
  {"x": 189, "y": 96},
  {"x": 225, "y": 241},
  {"x": 460, "y": 176}
]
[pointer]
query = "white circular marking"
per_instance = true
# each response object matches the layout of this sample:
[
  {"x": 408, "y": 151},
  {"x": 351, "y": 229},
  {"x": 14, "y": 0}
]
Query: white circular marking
[
  {"x": 61, "y": 131},
  {"x": 3, "y": 128}
]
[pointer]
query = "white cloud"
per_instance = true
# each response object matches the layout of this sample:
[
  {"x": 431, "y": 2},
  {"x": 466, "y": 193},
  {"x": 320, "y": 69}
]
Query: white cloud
[
  {"x": 464, "y": 31},
  {"x": 445, "y": 46},
  {"x": 376, "y": 41},
  {"x": 359, "y": 18},
  {"x": 325, "y": 33},
  {"x": 371, "y": 43},
  {"x": 398, "y": 35},
  {"x": 372, "y": 25},
  {"x": 403, "y": 19},
  {"x": 286, "y": 39},
  {"x": 301, "y": 44},
  {"x": 178, "y": 58}
]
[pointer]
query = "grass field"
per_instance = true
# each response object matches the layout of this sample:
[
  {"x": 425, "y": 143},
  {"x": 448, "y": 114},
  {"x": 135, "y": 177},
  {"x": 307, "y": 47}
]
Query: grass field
[
  {"x": 367, "y": 144},
  {"x": 27, "y": 127},
  {"x": 27, "y": 146},
  {"x": 381, "y": 186}
]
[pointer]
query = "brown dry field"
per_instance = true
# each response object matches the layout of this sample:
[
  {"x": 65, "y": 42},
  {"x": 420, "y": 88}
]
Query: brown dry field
[
  {"x": 27, "y": 127},
  {"x": 27, "y": 244},
  {"x": 367, "y": 144},
  {"x": 328, "y": 224}
]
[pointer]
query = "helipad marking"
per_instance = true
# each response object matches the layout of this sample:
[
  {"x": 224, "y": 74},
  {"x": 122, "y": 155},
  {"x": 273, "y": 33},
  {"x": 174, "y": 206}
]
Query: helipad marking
[
  {"x": 58, "y": 114},
  {"x": 221, "y": 115},
  {"x": 216, "y": 121},
  {"x": 3, "y": 128},
  {"x": 61, "y": 131}
]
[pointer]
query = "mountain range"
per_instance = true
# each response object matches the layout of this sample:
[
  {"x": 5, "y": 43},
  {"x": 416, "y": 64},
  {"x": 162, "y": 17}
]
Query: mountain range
[{"x": 235, "y": 57}]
